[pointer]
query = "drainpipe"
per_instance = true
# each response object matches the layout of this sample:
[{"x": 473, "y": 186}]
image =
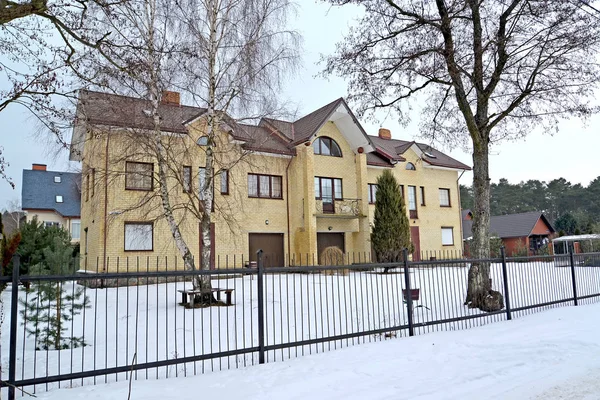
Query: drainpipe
[
  {"x": 105, "y": 202},
  {"x": 462, "y": 247},
  {"x": 287, "y": 206}
]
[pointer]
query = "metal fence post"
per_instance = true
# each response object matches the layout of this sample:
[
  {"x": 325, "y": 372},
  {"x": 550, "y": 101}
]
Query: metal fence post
[
  {"x": 409, "y": 306},
  {"x": 12, "y": 358},
  {"x": 505, "y": 278},
  {"x": 261, "y": 310},
  {"x": 572, "y": 261}
]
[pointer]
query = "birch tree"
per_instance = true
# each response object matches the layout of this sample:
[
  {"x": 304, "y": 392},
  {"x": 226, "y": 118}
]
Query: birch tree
[
  {"x": 486, "y": 70},
  {"x": 245, "y": 51},
  {"x": 228, "y": 57}
]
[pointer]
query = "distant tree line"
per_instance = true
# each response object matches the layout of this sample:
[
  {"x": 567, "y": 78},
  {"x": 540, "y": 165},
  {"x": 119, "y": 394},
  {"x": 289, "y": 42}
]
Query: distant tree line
[{"x": 571, "y": 208}]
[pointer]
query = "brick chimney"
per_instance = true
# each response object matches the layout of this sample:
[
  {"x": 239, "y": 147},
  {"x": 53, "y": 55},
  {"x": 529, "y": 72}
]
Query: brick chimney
[
  {"x": 385, "y": 133},
  {"x": 38, "y": 167},
  {"x": 169, "y": 97}
]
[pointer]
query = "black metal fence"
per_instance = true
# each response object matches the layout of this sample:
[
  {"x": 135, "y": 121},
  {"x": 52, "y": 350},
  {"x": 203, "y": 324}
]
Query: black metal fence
[{"x": 131, "y": 325}]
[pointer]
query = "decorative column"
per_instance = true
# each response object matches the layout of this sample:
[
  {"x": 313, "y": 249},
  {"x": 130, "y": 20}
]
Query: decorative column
[{"x": 362, "y": 239}]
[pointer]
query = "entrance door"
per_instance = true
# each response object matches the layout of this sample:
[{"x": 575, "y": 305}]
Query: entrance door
[
  {"x": 212, "y": 245},
  {"x": 271, "y": 245},
  {"x": 328, "y": 239},
  {"x": 414, "y": 238}
]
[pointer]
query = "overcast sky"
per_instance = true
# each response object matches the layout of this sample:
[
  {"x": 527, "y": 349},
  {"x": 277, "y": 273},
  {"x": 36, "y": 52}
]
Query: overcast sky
[{"x": 572, "y": 153}]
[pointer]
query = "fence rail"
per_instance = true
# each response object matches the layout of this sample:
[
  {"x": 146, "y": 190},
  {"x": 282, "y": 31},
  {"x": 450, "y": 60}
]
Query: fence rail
[{"x": 129, "y": 323}]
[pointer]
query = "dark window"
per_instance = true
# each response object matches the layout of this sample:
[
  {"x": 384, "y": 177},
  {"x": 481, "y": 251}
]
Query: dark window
[
  {"x": 422, "y": 195},
  {"x": 187, "y": 179},
  {"x": 139, "y": 236},
  {"x": 138, "y": 176},
  {"x": 445, "y": 197},
  {"x": 326, "y": 146},
  {"x": 372, "y": 193},
  {"x": 225, "y": 182},
  {"x": 93, "y": 181},
  {"x": 87, "y": 187},
  {"x": 265, "y": 186},
  {"x": 410, "y": 166}
]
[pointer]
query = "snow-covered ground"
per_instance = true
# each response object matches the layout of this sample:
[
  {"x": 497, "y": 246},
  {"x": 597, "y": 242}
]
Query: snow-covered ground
[
  {"x": 550, "y": 355},
  {"x": 146, "y": 322}
]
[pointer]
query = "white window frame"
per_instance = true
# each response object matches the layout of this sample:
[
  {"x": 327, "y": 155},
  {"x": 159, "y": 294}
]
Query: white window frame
[
  {"x": 78, "y": 224},
  {"x": 447, "y": 240},
  {"x": 57, "y": 179},
  {"x": 59, "y": 199}
]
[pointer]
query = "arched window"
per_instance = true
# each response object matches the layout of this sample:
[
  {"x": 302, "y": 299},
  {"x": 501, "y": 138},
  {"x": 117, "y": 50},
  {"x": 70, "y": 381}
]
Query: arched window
[
  {"x": 410, "y": 166},
  {"x": 326, "y": 146}
]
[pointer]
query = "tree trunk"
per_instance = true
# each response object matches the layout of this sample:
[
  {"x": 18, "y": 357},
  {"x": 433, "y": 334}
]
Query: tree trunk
[{"x": 479, "y": 291}]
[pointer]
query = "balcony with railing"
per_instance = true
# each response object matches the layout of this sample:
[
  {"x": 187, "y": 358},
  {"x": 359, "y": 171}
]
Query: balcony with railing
[{"x": 346, "y": 208}]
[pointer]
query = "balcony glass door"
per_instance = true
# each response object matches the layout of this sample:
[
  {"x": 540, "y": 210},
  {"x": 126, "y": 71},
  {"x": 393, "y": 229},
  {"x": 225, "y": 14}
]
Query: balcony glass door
[{"x": 327, "y": 195}]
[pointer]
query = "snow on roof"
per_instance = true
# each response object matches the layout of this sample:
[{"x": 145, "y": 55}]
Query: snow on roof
[{"x": 574, "y": 238}]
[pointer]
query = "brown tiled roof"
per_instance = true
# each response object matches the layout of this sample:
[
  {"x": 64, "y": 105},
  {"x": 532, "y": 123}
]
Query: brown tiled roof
[
  {"x": 265, "y": 141},
  {"x": 510, "y": 225},
  {"x": 271, "y": 135},
  {"x": 285, "y": 128},
  {"x": 377, "y": 160},
  {"x": 115, "y": 110},
  {"x": 394, "y": 149},
  {"x": 308, "y": 125}
]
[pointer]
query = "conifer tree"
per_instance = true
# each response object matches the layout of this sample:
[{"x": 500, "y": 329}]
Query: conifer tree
[
  {"x": 52, "y": 305},
  {"x": 391, "y": 232},
  {"x": 8, "y": 247}
]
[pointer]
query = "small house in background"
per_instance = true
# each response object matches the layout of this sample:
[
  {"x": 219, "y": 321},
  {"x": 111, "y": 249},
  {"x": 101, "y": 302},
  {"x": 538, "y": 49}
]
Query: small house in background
[
  {"x": 53, "y": 197},
  {"x": 528, "y": 232}
]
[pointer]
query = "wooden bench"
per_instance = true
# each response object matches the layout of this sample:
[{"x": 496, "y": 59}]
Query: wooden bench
[{"x": 192, "y": 293}]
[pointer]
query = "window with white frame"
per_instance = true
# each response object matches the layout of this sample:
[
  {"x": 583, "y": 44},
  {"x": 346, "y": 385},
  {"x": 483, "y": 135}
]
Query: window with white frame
[
  {"x": 57, "y": 179},
  {"x": 49, "y": 224},
  {"x": 372, "y": 193},
  {"x": 59, "y": 199},
  {"x": 447, "y": 236},
  {"x": 139, "y": 236},
  {"x": 76, "y": 230},
  {"x": 444, "y": 197}
]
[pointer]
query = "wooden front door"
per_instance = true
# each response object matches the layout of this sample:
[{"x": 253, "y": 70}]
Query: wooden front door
[
  {"x": 212, "y": 246},
  {"x": 414, "y": 238},
  {"x": 327, "y": 239},
  {"x": 272, "y": 246}
]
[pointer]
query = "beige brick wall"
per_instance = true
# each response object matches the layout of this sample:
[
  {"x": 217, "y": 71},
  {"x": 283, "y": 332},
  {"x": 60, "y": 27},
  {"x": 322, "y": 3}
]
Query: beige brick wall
[
  {"x": 432, "y": 217},
  {"x": 236, "y": 215}
]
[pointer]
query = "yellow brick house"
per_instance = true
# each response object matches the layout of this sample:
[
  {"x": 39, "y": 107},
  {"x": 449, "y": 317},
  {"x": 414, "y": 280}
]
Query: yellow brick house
[{"x": 290, "y": 188}]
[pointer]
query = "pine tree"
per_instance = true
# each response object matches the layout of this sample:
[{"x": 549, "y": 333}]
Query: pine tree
[
  {"x": 8, "y": 247},
  {"x": 391, "y": 232},
  {"x": 52, "y": 305}
]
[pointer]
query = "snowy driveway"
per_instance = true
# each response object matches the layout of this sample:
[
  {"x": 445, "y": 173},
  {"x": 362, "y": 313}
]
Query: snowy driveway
[{"x": 550, "y": 355}]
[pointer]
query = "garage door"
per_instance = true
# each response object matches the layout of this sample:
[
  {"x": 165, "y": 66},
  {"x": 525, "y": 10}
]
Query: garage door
[
  {"x": 271, "y": 245},
  {"x": 328, "y": 239}
]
